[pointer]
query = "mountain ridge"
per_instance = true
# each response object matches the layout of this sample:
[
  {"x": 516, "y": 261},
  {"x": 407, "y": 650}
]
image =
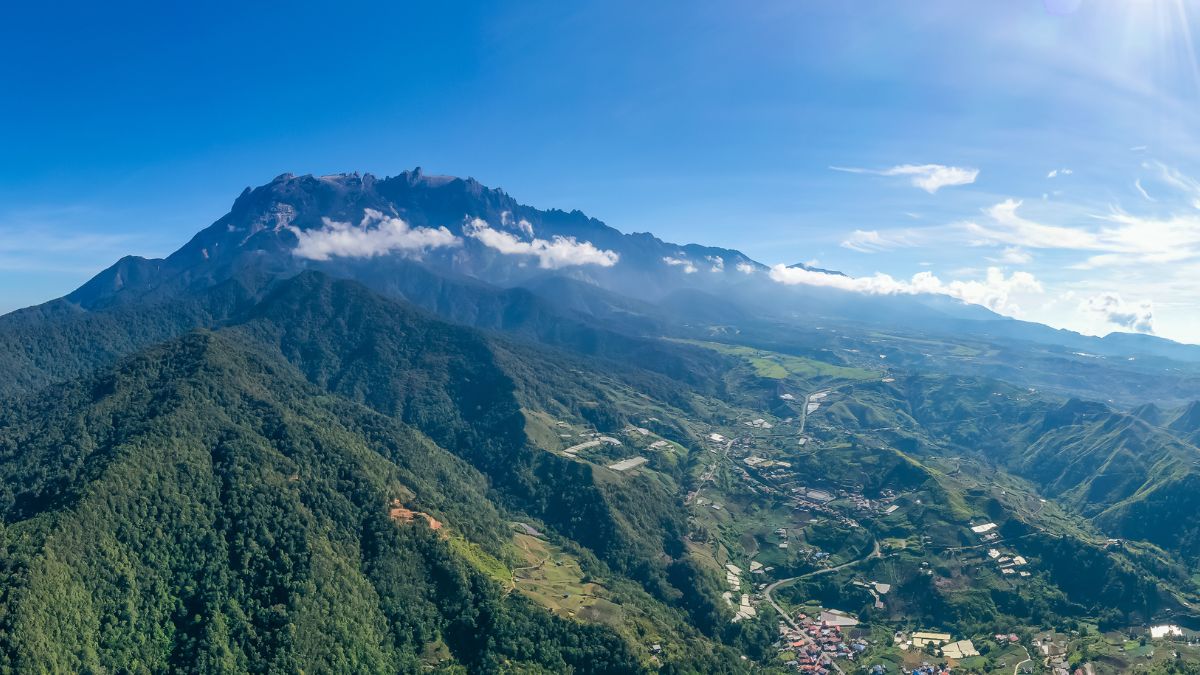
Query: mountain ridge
[{"x": 261, "y": 231}]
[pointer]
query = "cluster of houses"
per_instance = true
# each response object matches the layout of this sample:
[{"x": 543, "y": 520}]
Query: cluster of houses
[
  {"x": 777, "y": 477},
  {"x": 814, "y": 402},
  {"x": 986, "y": 531},
  {"x": 929, "y": 669},
  {"x": 876, "y": 589},
  {"x": 1053, "y": 649},
  {"x": 764, "y": 463},
  {"x": 744, "y": 608},
  {"x": 783, "y": 536},
  {"x": 942, "y": 641},
  {"x": 810, "y": 554},
  {"x": 883, "y": 505},
  {"x": 818, "y": 642},
  {"x": 595, "y": 441},
  {"x": 1008, "y": 564}
]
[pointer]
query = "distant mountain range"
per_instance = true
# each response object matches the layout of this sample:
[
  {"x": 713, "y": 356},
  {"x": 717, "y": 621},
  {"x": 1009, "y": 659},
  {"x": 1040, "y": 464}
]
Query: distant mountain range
[
  {"x": 410, "y": 425},
  {"x": 375, "y": 230},
  {"x": 360, "y": 226}
]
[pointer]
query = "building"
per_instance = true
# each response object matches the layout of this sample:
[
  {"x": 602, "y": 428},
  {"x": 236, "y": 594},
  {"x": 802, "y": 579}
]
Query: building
[
  {"x": 922, "y": 638},
  {"x": 960, "y": 650}
]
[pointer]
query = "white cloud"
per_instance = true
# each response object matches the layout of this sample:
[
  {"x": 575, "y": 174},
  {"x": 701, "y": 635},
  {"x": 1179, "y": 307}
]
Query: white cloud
[
  {"x": 1010, "y": 228},
  {"x": 995, "y": 291},
  {"x": 688, "y": 267},
  {"x": 871, "y": 241},
  {"x": 1137, "y": 183},
  {"x": 523, "y": 225},
  {"x": 375, "y": 235},
  {"x": 1059, "y": 172},
  {"x": 1126, "y": 239},
  {"x": 552, "y": 254},
  {"x": 928, "y": 177},
  {"x": 1138, "y": 318},
  {"x": 718, "y": 263},
  {"x": 1015, "y": 255},
  {"x": 1179, "y": 181},
  {"x": 745, "y": 268},
  {"x": 1134, "y": 240}
]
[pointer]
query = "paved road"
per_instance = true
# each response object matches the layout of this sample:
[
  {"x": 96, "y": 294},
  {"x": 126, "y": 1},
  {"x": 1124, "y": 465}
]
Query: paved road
[
  {"x": 708, "y": 475},
  {"x": 875, "y": 553},
  {"x": 828, "y": 390},
  {"x": 1027, "y": 660},
  {"x": 804, "y": 413}
]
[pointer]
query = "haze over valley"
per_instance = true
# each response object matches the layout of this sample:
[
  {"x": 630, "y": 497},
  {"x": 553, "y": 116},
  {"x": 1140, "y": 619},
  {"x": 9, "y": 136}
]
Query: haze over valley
[{"x": 884, "y": 376}]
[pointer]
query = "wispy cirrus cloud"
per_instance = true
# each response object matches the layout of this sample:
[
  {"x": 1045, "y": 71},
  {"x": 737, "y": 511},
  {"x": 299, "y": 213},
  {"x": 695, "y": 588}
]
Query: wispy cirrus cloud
[
  {"x": 376, "y": 234},
  {"x": 1120, "y": 238},
  {"x": 872, "y": 241},
  {"x": 1009, "y": 227},
  {"x": 995, "y": 291},
  {"x": 1014, "y": 255},
  {"x": 73, "y": 240},
  {"x": 1175, "y": 178},
  {"x": 551, "y": 254},
  {"x": 928, "y": 177}
]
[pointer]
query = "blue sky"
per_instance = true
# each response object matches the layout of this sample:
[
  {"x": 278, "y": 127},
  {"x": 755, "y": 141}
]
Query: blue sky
[{"x": 127, "y": 127}]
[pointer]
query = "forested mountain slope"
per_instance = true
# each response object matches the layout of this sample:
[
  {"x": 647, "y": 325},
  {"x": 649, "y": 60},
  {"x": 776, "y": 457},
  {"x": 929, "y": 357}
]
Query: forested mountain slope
[
  {"x": 1114, "y": 467},
  {"x": 361, "y": 366},
  {"x": 444, "y": 379},
  {"x": 232, "y": 459},
  {"x": 202, "y": 508}
]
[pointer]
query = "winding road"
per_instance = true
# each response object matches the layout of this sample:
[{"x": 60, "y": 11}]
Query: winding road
[
  {"x": 875, "y": 553},
  {"x": 1027, "y": 660},
  {"x": 709, "y": 474}
]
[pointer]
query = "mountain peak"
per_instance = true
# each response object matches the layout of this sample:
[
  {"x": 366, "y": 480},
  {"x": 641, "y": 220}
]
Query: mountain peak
[
  {"x": 1149, "y": 413},
  {"x": 418, "y": 177},
  {"x": 818, "y": 270},
  {"x": 1188, "y": 419}
]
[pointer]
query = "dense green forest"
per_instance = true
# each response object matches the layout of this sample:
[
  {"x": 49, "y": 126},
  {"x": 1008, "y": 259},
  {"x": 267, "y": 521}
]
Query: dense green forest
[
  {"x": 206, "y": 483},
  {"x": 221, "y": 499},
  {"x": 200, "y": 508}
]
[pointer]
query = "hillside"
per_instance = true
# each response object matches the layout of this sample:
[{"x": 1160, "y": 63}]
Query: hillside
[
  {"x": 252, "y": 456},
  {"x": 211, "y": 511}
]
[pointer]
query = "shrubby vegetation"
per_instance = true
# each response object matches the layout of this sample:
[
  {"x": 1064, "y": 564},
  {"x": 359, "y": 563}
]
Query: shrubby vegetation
[
  {"x": 206, "y": 502},
  {"x": 201, "y": 509},
  {"x": 219, "y": 501}
]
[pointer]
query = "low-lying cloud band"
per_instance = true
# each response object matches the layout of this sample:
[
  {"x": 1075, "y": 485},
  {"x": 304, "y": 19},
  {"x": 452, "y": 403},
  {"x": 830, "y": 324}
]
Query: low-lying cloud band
[
  {"x": 995, "y": 292},
  {"x": 375, "y": 235}
]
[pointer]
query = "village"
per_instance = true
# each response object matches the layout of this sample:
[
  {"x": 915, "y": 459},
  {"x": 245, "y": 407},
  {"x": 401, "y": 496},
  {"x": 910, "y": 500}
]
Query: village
[
  {"x": 813, "y": 646},
  {"x": 1008, "y": 562},
  {"x": 752, "y": 454},
  {"x": 819, "y": 642}
]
